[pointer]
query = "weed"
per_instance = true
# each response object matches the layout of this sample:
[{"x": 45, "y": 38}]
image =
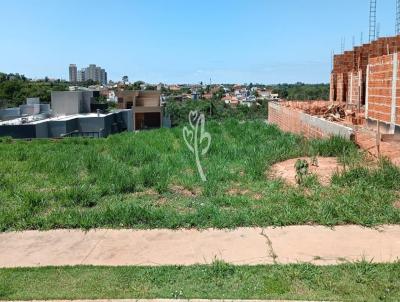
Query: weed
[
  {"x": 314, "y": 161},
  {"x": 301, "y": 167},
  {"x": 221, "y": 269}
]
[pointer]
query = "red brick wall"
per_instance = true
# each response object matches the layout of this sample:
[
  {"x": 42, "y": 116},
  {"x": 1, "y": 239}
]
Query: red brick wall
[
  {"x": 358, "y": 59},
  {"x": 288, "y": 119},
  {"x": 380, "y": 89},
  {"x": 341, "y": 87},
  {"x": 354, "y": 88}
]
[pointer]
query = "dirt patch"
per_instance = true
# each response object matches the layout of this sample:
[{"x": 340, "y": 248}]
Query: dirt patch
[
  {"x": 149, "y": 192},
  {"x": 185, "y": 192},
  {"x": 238, "y": 192},
  {"x": 258, "y": 196},
  {"x": 397, "y": 204},
  {"x": 244, "y": 192},
  {"x": 326, "y": 167},
  {"x": 161, "y": 202}
]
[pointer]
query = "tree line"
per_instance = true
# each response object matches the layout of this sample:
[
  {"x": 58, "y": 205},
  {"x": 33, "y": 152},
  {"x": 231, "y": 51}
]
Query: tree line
[
  {"x": 301, "y": 91},
  {"x": 214, "y": 109},
  {"x": 15, "y": 88}
]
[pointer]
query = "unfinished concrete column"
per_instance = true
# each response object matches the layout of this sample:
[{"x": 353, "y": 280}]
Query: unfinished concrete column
[
  {"x": 394, "y": 94},
  {"x": 360, "y": 75},
  {"x": 350, "y": 90},
  {"x": 332, "y": 91},
  {"x": 367, "y": 93}
]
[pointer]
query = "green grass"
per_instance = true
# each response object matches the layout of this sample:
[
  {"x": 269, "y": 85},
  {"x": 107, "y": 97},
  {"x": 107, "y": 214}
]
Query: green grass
[
  {"x": 149, "y": 180},
  {"x": 350, "y": 282}
]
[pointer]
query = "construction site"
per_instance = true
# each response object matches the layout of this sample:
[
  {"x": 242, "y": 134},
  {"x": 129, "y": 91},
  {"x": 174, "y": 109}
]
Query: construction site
[{"x": 364, "y": 103}]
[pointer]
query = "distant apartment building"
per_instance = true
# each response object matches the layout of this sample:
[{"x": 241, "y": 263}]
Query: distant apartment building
[
  {"x": 103, "y": 76},
  {"x": 73, "y": 73},
  {"x": 81, "y": 76},
  {"x": 92, "y": 72}
]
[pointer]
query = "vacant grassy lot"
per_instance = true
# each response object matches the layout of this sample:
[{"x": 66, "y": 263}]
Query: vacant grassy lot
[
  {"x": 352, "y": 282},
  {"x": 149, "y": 180}
]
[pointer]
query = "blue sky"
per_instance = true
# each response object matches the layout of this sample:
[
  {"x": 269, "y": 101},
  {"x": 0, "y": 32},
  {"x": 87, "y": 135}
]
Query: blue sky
[{"x": 184, "y": 41}]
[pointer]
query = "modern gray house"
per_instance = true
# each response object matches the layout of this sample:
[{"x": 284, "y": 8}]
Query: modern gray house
[
  {"x": 32, "y": 107},
  {"x": 87, "y": 125},
  {"x": 70, "y": 117},
  {"x": 72, "y": 102}
]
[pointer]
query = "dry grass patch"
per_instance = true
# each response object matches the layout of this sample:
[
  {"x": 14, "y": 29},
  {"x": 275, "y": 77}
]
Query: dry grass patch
[
  {"x": 161, "y": 201},
  {"x": 236, "y": 190},
  {"x": 148, "y": 192},
  {"x": 180, "y": 190}
]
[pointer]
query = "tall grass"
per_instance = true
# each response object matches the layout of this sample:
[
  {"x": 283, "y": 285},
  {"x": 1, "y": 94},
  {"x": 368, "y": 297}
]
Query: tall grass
[{"x": 143, "y": 179}]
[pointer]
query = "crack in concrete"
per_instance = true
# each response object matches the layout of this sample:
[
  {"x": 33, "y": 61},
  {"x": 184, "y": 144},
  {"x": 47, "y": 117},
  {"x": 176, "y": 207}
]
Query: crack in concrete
[
  {"x": 94, "y": 247},
  {"x": 271, "y": 251}
]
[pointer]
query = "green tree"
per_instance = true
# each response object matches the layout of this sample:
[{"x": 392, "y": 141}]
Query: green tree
[
  {"x": 15, "y": 88},
  {"x": 137, "y": 85}
]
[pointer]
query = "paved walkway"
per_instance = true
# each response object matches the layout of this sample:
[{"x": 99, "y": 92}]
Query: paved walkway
[{"x": 243, "y": 246}]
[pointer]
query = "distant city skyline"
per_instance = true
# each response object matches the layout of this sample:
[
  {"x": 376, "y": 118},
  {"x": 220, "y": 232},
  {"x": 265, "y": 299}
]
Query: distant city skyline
[
  {"x": 92, "y": 72},
  {"x": 180, "y": 41}
]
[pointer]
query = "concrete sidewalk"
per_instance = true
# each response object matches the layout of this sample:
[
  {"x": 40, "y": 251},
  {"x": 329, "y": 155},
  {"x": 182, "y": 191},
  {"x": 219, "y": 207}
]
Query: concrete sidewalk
[{"x": 243, "y": 246}]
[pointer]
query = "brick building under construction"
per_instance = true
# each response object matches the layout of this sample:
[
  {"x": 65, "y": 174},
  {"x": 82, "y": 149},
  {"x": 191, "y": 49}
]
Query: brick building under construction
[
  {"x": 364, "y": 101},
  {"x": 368, "y": 79},
  {"x": 364, "y": 97}
]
